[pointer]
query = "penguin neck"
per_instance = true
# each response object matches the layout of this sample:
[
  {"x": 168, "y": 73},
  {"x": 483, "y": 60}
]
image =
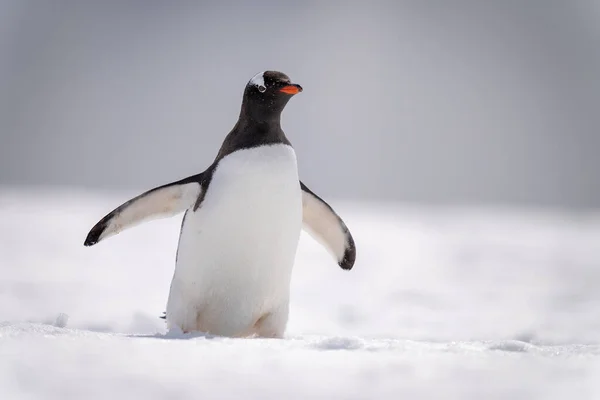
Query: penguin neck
[
  {"x": 252, "y": 130},
  {"x": 260, "y": 124},
  {"x": 261, "y": 117}
]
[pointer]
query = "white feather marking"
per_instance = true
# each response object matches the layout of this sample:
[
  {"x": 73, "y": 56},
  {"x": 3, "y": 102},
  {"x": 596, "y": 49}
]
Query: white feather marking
[
  {"x": 258, "y": 79},
  {"x": 237, "y": 251},
  {"x": 154, "y": 204},
  {"x": 324, "y": 225}
]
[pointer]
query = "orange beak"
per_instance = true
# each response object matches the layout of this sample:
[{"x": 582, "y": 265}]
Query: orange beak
[{"x": 291, "y": 89}]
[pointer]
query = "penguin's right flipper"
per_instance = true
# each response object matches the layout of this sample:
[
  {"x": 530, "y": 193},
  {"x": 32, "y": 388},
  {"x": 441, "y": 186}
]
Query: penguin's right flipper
[{"x": 161, "y": 202}]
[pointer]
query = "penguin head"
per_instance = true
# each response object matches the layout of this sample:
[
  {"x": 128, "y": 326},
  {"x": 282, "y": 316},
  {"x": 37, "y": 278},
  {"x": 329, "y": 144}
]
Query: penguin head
[{"x": 267, "y": 94}]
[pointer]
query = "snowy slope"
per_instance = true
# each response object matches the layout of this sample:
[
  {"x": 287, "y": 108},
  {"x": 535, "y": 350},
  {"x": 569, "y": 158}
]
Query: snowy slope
[{"x": 442, "y": 303}]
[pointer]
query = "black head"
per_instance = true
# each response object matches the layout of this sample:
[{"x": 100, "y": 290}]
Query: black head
[{"x": 266, "y": 95}]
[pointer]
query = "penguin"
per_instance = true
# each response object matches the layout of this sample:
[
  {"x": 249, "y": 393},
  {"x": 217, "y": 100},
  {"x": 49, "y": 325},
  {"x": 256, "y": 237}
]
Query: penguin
[{"x": 242, "y": 221}]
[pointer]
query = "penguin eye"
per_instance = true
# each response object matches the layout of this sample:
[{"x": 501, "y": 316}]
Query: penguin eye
[{"x": 261, "y": 88}]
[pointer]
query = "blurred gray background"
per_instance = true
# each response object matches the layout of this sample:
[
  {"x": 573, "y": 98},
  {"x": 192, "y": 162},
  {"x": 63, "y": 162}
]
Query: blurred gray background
[{"x": 449, "y": 102}]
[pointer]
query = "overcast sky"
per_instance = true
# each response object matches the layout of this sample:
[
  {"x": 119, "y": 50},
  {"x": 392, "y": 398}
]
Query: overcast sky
[{"x": 455, "y": 102}]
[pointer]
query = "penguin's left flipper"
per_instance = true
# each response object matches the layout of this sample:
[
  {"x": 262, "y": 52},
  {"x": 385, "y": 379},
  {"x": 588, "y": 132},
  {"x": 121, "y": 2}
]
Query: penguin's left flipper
[
  {"x": 161, "y": 202},
  {"x": 324, "y": 225}
]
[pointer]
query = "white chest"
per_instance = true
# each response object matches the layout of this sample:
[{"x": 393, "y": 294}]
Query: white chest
[{"x": 243, "y": 238}]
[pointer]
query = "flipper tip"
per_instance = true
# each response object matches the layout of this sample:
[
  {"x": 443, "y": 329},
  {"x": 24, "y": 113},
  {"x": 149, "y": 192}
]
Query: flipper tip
[
  {"x": 94, "y": 236},
  {"x": 349, "y": 256}
]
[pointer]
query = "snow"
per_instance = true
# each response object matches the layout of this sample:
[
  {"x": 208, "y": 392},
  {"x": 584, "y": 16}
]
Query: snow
[{"x": 453, "y": 303}]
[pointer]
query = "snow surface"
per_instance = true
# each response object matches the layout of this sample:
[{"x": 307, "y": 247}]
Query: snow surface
[{"x": 442, "y": 303}]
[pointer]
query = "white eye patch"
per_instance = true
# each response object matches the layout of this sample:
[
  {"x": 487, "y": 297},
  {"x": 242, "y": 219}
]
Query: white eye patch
[{"x": 258, "y": 80}]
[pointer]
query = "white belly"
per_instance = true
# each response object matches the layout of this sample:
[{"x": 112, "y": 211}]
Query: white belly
[{"x": 236, "y": 252}]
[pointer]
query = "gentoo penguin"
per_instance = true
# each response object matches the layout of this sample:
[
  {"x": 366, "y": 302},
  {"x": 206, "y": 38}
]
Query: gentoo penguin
[{"x": 242, "y": 222}]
